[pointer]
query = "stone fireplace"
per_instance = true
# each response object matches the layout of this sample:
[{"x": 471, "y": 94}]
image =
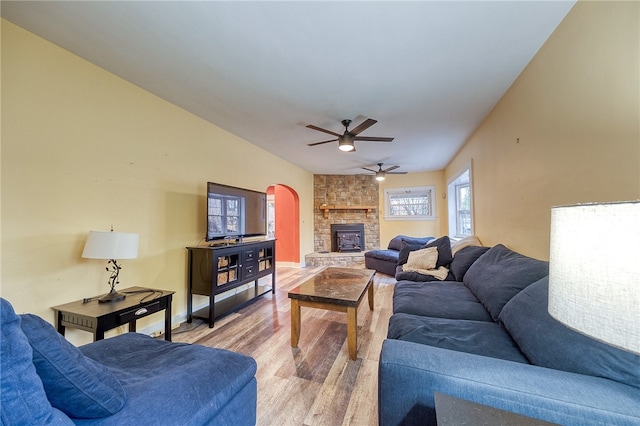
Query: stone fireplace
[{"x": 344, "y": 200}]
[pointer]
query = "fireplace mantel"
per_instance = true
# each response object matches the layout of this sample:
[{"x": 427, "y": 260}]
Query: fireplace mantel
[{"x": 367, "y": 209}]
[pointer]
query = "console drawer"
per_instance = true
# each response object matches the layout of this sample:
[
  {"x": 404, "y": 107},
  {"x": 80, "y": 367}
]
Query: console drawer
[
  {"x": 249, "y": 255},
  {"x": 249, "y": 271},
  {"x": 139, "y": 312}
]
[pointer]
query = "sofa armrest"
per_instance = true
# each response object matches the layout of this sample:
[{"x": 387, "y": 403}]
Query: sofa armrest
[{"x": 410, "y": 373}]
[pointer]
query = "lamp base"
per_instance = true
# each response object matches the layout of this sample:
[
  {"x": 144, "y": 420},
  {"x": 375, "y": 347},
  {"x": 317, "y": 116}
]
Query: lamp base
[{"x": 112, "y": 296}]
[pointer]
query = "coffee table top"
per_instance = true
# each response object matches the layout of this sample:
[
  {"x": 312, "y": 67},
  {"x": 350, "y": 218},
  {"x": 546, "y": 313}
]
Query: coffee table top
[{"x": 339, "y": 286}]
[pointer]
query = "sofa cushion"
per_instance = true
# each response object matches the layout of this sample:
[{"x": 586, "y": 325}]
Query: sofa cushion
[
  {"x": 500, "y": 274},
  {"x": 463, "y": 260},
  {"x": 548, "y": 343},
  {"x": 23, "y": 400},
  {"x": 196, "y": 383},
  {"x": 396, "y": 242},
  {"x": 387, "y": 255},
  {"x": 474, "y": 337},
  {"x": 438, "y": 299},
  {"x": 384, "y": 261},
  {"x": 77, "y": 385}
]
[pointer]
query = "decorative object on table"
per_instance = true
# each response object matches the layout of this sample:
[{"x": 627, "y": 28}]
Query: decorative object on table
[
  {"x": 594, "y": 271},
  {"x": 111, "y": 246}
]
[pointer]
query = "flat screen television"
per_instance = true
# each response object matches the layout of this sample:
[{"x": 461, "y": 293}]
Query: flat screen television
[{"x": 235, "y": 212}]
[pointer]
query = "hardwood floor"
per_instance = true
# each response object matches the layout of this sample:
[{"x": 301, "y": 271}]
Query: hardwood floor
[{"x": 315, "y": 383}]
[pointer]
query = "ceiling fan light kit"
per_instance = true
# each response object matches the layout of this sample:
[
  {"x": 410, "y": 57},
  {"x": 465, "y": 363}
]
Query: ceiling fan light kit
[{"x": 345, "y": 143}]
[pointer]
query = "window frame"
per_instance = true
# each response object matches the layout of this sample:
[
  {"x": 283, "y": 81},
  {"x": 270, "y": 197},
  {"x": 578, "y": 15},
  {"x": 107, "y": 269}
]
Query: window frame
[
  {"x": 419, "y": 190},
  {"x": 464, "y": 177}
]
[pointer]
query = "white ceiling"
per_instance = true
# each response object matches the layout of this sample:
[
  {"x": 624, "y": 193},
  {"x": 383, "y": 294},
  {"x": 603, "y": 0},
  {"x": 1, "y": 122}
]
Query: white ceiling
[{"x": 429, "y": 72}]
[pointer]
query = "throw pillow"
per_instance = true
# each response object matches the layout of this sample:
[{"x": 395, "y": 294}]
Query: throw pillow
[
  {"x": 75, "y": 384},
  {"x": 444, "y": 251},
  {"x": 22, "y": 397},
  {"x": 425, "y": 258},
  {"x": 500, "y": 274},
  {"x": 407, "y": 248},
  {"x": 548, "y": 343},
  {"x": 463, "y": 260},
  {"x": 396, "y": 243}
]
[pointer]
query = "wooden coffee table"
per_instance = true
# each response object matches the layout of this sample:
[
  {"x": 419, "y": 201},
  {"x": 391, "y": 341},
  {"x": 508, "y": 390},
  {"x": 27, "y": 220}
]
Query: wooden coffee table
[{"x": 334, "y": 289}]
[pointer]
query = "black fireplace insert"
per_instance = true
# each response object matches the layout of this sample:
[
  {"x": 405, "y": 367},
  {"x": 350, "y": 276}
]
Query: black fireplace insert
[{"x": 347, "y": 237}]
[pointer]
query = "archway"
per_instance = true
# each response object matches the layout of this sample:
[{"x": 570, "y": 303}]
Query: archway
[{"x": 287, "y": 223}]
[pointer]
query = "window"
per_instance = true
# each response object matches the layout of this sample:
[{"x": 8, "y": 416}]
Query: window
[
  {"x": 459, "y": 190},
  {"x": 415, "y": 203},
  {"x": 224, "y": 215}
]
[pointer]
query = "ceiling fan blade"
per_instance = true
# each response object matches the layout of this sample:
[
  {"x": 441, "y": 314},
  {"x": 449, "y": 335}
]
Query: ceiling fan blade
[
  {"x": 397, "y": 173},
  {"x": 363, "y": 126},
  {"x": 320, "y": 129},
  {"x": 374, "y": 171},
  {"x": 320, "y": 143},
  {"x": 372, "y": 139},
  {"x": 390, "y": 168}
]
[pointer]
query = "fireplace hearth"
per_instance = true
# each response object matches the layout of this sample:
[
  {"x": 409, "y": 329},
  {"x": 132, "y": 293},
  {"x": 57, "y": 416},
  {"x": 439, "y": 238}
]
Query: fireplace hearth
[{"x": 347, "y": 237}]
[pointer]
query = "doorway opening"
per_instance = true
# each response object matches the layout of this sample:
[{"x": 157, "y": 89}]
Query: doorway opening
[{"x": 283, "y": 222}]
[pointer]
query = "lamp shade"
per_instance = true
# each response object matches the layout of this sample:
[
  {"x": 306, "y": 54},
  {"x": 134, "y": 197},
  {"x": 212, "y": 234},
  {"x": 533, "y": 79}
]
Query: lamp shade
[
  {"x": 594, "y": 271},
  {"x": 111, "y": 245}
]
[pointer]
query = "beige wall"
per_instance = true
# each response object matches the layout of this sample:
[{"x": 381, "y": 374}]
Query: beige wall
[
  {"x": 414, "y": 228},
  {"x": 83, "y": 150},
  {"x": 567, "y": 131}
]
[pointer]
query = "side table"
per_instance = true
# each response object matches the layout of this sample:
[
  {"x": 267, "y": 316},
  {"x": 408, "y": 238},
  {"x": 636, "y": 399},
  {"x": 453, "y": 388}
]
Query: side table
[
  {"x": 98, "y": 317},
  {"x": 452, "y": 411}
]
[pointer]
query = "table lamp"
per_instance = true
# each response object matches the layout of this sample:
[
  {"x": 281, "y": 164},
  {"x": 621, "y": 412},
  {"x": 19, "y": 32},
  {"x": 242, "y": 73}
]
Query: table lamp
[
  {"x": 111, "y": 245},
  {"x": 594, "y": 271}
]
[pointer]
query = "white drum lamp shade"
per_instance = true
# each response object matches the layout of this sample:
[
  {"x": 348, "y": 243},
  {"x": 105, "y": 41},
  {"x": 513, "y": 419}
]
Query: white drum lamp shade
[
  {"x": 594, "y": 271},
  {"x": 111, "y": 246}
]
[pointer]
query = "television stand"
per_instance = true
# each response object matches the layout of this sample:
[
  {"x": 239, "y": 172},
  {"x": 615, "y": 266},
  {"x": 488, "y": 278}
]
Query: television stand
[{"x": 213, "y": 271}]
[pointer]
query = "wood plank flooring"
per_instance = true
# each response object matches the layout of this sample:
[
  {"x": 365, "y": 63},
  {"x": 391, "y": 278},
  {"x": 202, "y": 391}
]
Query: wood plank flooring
[{"x": 315, "y": 383}]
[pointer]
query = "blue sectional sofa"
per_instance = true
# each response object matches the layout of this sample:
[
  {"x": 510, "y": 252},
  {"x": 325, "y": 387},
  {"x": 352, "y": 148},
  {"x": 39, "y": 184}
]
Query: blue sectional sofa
[
  {"x": 486, "y": 337},
  {"x": 130, "y": 379}
]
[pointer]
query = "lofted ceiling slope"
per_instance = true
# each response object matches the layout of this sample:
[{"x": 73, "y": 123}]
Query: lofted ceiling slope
[{"x": 428, "y": 71}]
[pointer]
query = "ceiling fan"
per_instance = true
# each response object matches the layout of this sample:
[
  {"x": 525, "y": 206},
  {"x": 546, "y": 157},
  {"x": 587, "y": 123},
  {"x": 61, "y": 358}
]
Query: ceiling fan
[
  {"x": 347, "y": 139},
  {"x": 380, "y": 174}
]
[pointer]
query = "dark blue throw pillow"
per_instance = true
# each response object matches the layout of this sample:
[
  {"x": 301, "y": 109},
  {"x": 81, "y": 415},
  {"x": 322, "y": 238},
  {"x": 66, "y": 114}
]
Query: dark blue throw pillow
[
  {"x": 78, "y": 386},
  {"x": 396, "y": 242},
  {"x": 408, "y": 247},
  {"x": 500, "y": 274},
  {"x": 443, "y": 244},
  {"x": 463, "y": 260},
  {"x": 548, "y": 343}
]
